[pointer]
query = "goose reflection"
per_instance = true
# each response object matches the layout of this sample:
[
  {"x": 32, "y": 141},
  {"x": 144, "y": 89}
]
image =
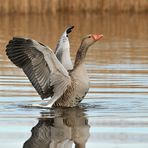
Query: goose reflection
[{"x": 69, "y": 129}]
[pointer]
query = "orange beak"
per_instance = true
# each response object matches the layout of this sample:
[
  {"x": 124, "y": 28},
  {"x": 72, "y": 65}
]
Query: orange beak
[{"x": 97, "y": 37}]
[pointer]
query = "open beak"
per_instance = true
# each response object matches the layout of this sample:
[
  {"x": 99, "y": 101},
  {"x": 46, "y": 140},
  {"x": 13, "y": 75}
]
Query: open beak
[{"x": 97, "y": 37}]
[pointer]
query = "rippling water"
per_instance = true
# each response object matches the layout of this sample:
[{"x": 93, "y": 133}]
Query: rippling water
[{"x": 114, "y": 113}]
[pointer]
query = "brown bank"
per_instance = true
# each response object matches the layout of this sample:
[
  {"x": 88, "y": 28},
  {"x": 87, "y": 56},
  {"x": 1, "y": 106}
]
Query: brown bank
[{"x": 54, "y": 6}]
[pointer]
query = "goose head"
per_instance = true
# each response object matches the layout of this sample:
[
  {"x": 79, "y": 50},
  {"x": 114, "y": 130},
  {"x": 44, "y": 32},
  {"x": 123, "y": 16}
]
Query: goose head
[
  {"x": 90, "y": 39},
  {"x": 86, "y": 42}
]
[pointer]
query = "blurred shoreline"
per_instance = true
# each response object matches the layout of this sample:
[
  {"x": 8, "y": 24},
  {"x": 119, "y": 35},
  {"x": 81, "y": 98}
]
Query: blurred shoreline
[{"x": 67, "y": 6}]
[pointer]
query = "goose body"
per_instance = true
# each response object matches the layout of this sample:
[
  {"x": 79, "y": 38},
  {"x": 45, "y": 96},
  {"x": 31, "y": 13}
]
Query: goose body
[
  {"x": 65, "y": 88},
  {"x": 77, "y": 90}
]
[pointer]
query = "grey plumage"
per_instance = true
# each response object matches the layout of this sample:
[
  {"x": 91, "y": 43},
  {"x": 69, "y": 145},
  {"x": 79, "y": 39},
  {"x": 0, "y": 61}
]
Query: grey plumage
[
  {"x": 24, "y": 55},
  {"x": 48, "y": 75},
  {"x": 62, "y": 50},
  {"x": 40, "y": 65}
]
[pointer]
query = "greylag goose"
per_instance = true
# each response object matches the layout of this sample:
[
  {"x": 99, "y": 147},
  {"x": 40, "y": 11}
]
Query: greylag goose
[
  {"x": 63, "y": 49},
  {"x": 46, "y": 73}
]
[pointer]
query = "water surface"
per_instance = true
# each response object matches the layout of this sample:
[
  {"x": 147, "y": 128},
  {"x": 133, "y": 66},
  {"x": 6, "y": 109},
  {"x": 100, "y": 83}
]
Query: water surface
[{"x": 114, "y": 113}]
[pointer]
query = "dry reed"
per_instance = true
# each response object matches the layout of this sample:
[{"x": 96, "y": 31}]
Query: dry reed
[{"x": 54, "y": 6}]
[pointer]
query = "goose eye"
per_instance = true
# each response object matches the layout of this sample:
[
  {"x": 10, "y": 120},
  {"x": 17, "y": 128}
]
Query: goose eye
[{"x": 89, "y": 36}]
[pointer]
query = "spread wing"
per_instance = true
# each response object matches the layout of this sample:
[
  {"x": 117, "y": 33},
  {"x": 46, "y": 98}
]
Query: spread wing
[
  {"x": 62, "y": 50},
  {"x": 39, "y": 63}
]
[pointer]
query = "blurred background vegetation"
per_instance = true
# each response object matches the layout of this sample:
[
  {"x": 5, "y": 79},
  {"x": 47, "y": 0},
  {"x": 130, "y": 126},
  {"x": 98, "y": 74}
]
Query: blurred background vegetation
[{"x": 69, "y": 6}]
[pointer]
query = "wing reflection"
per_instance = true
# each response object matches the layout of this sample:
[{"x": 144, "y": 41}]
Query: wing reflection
[{"x": 69, "y": 129}]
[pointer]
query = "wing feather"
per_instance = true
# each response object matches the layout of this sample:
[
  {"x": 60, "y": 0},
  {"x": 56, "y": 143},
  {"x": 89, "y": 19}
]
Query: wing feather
[
  {"x": 39, "y": 63},
  {"x": 62, "y": 50}
]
